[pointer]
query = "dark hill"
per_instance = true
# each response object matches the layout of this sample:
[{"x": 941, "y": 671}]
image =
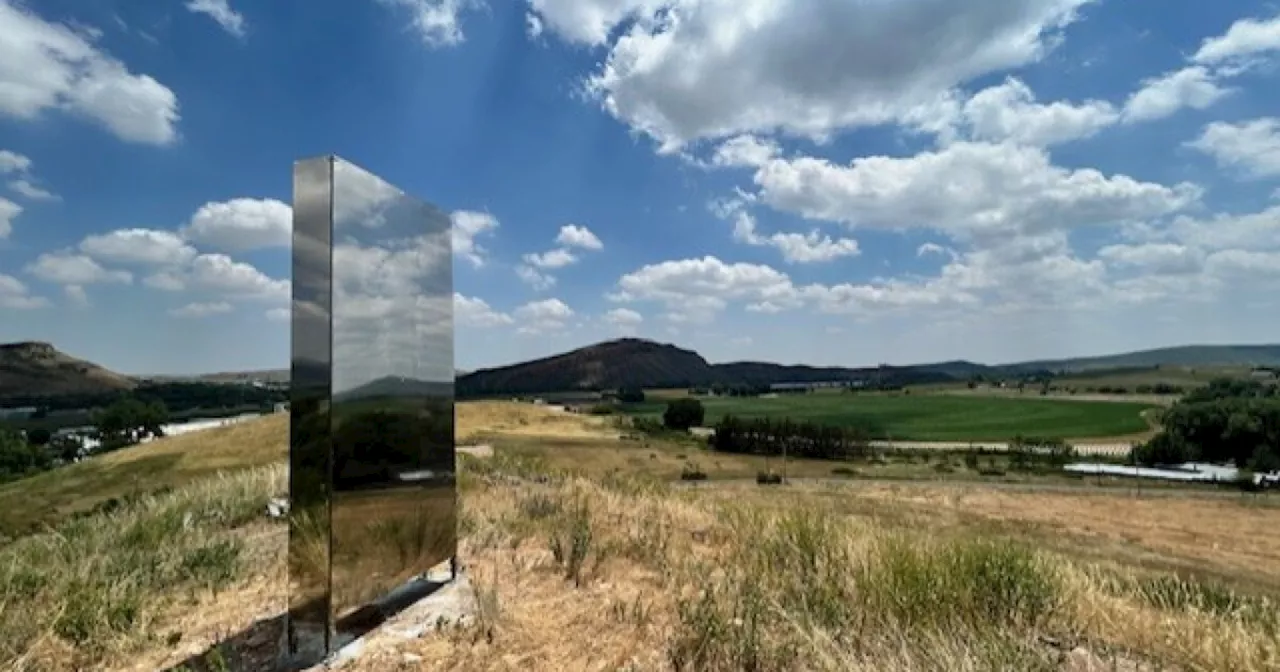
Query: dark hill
[
  {"x": 1186, "y": 355},
  {"x": 33, "y": 368},
  {"x": 626, "y": 362}
]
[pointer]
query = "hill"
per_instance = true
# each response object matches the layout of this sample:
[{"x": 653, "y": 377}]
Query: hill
[
  {"x": 626, "y": 362},
  {"x": 37, "y": 368},
  {"x": 1186, "y": 355}
]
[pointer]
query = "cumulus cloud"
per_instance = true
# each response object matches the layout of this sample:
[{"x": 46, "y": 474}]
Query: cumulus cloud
[
  {"x": 15, "y": 295},
  {"x": 241, "y": 224},
  {"x": 536, "y": 279},
  {"x": 1192, "y": 87},
  {"x": 1253, "y": 147},
  {"x": 53, "y": 66},
  {"x": 437, "y": 22},
  {"x": 68, "y": 268},
  {"x": 967, "y": 190},
  {"x": 1010, "y": 112},
  {"x": 139, "y": 247},
  {"x": 23, "y": 182},
  {"x": 467, "y": 226},
  {"x": 796, "y": 248},
  {"x": 475, "y": 312},
  {"x": 198, "y": 310},
  {"x": 1246, "y": 38},
  {"x": 221, "y": 12},
  {"x": 572, "y": 235},
  {"x": 8, "y": 212},
  {"x": 540, "y": 317},
  {"x": 556, "y": 258},
  {"x": 684, "y": 70}
]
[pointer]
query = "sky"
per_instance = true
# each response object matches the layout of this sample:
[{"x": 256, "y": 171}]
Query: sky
[{"x": 802, "y": 181}]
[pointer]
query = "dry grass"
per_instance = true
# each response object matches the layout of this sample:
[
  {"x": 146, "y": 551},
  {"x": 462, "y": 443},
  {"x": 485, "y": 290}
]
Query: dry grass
[
  {"x": 621, "y": 571},
  {"x": 46, "y": 498},
  {"x": 481, "y": 418}
]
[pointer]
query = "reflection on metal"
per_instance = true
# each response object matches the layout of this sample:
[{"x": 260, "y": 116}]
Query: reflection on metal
[{"x": 371, "y": 445}]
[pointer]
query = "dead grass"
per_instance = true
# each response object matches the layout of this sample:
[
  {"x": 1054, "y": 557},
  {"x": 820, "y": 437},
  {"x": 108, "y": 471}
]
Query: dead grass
[
  {"x": 617, "y": 570},
  {"x": 479, "y": 418}
]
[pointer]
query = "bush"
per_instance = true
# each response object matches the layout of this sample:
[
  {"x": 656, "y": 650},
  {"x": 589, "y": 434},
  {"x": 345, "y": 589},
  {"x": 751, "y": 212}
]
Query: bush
[
  {"x": 768, "y": 478},
  {"x": 691, "y": 472},
  {"x": 682, "y": 414}
]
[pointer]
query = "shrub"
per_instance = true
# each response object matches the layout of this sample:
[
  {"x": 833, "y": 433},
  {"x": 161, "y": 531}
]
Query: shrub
[
  {"x": 768, "y": 478},
  {"x": 682, "y": 414},
  {"x": 691, "y": 472}
]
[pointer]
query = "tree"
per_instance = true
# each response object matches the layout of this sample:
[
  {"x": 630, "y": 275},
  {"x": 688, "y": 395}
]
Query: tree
[
  {"x": 631, "y": 395},
  {"x": 681, "y": 414},
  {"x": 129, "y": 421},
  {"x": 20, "y": 458},
  {"x": 39, "y": 437}
]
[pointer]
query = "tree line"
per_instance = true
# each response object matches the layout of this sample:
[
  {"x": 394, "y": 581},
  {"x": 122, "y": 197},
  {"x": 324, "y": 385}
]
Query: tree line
[
  {"x": 126, "y": 422},
  {"x": 1228, "y": 422},
  {"x": 771, "y": 436},
  {"x": 176, "y": 396}
]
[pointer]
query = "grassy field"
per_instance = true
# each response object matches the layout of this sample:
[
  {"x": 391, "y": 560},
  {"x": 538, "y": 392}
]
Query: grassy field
[
  {"x": 586, "y": 555},
  {"x": 923, "y": 417}
]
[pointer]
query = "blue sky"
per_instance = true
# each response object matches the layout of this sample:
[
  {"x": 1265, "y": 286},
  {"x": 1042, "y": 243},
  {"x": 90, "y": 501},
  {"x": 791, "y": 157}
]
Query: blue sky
[{"x": 815, "y": 181}]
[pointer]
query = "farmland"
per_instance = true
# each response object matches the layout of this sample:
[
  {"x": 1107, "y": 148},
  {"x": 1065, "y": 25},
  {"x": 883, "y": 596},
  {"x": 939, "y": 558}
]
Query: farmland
[{"x": 922, "y": 417}]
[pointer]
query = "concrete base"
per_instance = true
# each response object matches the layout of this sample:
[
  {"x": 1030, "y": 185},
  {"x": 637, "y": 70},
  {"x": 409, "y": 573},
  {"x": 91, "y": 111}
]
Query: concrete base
[{"x": 453, "y": 603}]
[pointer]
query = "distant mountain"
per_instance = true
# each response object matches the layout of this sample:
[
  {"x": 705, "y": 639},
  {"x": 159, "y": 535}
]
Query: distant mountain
[
  {"x": 397, "y": 386},
  {"x": 1186, "y": 355},
  {"x": 33, "y": 368},
  {"x": 626, "y": 362},
  {"x": 633, "y": 362}
]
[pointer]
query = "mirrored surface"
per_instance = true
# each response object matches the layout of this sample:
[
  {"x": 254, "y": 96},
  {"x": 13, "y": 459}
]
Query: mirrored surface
[
  {"x": 389, "y": 465},
  {"x": 310, "y": 442}
]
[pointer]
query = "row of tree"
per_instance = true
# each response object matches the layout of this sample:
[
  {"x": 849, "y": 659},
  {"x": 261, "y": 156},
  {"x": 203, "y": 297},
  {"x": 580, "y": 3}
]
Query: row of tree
[
  {"x": 177, "y": 396},
  {"x": 1228, "y": 421},
  {"x": 770, "y": 436},
  {"x": 124, "y": 423}
]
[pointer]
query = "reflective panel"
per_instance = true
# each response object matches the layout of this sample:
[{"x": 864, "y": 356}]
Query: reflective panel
[
  {"x": 389, "y": 467},
  {"x": 310, "y": 442}
]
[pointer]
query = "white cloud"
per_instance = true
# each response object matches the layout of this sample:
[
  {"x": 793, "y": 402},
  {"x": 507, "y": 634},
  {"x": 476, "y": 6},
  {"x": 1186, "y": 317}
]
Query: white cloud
[
  {"x": 934, "y": 248},
  {"x": 796, "y": 248},
  {"x": 234, "y": 279},
  {"x": 241, "y": 224},
  {"x": 1245, "y": 38},
  {"x": 1192, "y": 87},
  {"x": 623, "y": 317},
  {"x": 76, "y": 295},
  {"x": 31, "y": 191},
  {"x": 555, "y": 258},
  {"x": 68, "y": 268},
  {"x": 1158, "y": 258},
  {"x": 8, "y": 212},
  {"x": 695, "y": 290},
  {"x": 1010, "y": 112},
  {"x": 167, "y": 281},
  {"x": 438, "y": 22},
  {"x": 572, "y": 235},
  {"x": 744, "y": 151},
  {"x": 692, "y": 69},
  {"x": 14, "y": 295},
  {"x": 197, "y": 310},
  {"x": 1251, "y": 146},
  {"x": 467, "y": 226},
  {"x": 218, "y": 10},
  {"x": 139, "y": 246},
  {"x": 973, "y": 191},
  {"x": 547, "y": 315},
  {"x": 534, "y": 278},
  {"x": 279, "y": 314},
  {"x": 53, "y": 66},
  {"x": 13, "y": 162},
  {"x": 474, "y": 312}
]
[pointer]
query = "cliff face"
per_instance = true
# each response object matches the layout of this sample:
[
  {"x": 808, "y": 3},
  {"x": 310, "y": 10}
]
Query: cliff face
[{"x": 36, "y": 368}]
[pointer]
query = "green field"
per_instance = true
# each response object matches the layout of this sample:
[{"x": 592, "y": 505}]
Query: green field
[{"x": 935, "y": 417}]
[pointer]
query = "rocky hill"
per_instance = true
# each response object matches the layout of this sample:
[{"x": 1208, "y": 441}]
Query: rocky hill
[
  {"x": 626, "y": 362},
  {"x": 37, "y": 368}
]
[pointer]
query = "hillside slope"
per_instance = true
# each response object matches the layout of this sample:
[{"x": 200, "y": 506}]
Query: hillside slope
[
  {"x": 625, "y": 362},
  {"x": 1187, "y": 355},
  {"x": 36, "y": 368}
]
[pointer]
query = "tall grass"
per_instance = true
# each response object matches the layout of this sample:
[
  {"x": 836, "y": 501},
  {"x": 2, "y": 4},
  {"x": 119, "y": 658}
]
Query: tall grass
[{"x": 94, "y": 585}]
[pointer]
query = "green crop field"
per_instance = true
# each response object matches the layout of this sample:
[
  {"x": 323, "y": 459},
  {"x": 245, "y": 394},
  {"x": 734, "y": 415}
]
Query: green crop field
[{"x": 934, "y": 417}]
